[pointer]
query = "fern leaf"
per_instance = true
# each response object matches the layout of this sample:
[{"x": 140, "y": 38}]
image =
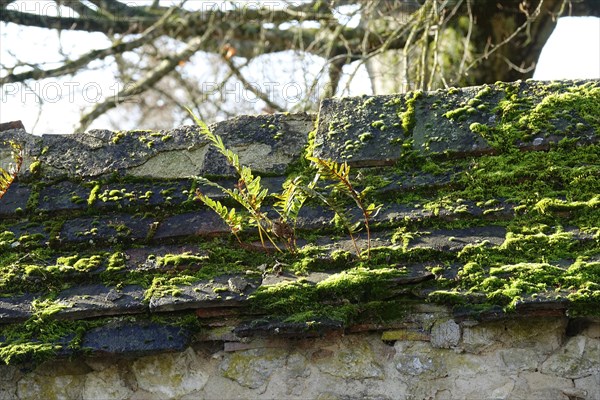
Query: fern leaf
[{"x": 8, "y": 177}]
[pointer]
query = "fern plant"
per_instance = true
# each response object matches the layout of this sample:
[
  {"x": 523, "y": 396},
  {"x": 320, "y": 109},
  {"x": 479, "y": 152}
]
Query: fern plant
[
  {"x": 250, "y": 194},
  {"x": 340, "y": 175},
  {"x": 7, "y": 177},
  {"x": 288, "y": 205}
]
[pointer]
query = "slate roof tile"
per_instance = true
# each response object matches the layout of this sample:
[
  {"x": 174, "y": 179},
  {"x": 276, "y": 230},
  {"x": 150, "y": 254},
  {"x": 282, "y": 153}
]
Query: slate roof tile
[{"x": 464, "y": 218}]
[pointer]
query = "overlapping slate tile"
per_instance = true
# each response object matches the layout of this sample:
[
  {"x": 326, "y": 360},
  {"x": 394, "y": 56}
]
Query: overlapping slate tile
[
  {"x": 379, "y": 130},
  {"x": 123, "y": 195},
  {"x": 144, "y": 258},
  {"x": 289, "y": 330},
  {"x": 218, "y": 293},
  {"x": 97, "y": 300},
  {"x": 15, "y": 199},
  {"x": 15, "y": 309},
  {"x": 102, "y": 152},
  {"x": 27, "y": 234},
  {"x": 456, "y": 239},
  {"x": 135, "y": 339},
  {"x": 198, "y": 223},
  {"x": 265, "y": 143},
  {"x": 109, "y": 228},
  {"x": 63, "y": 196}
]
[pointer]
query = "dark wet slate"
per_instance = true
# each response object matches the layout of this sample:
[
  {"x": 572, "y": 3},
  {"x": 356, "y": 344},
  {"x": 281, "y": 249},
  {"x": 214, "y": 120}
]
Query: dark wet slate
[
  {"x": 125, "y": 195},
  {"x": 199, "y": 223},
  {"x": 31, "y": 232},
  {"x": 64, "y": 196},
  {"x": 290, "y": 330},
  {"x": 15, "y": 309},
  {"x": 108, "y": 228},
  {"x": 217, "y": 293},
  {"x": 15, "y": 199},
  {"x": 98, "y": 300},
  {"x": 135, "y": 339},
  {"x": 457, "y": 239}
]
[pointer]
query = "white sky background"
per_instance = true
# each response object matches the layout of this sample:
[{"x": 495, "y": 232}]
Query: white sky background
[{"x": 573, "y": 51}]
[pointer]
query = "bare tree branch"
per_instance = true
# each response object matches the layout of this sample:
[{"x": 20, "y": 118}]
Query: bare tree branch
[
  {"x": 71, "y": 67},
  {"x": 154, "y": 76}
]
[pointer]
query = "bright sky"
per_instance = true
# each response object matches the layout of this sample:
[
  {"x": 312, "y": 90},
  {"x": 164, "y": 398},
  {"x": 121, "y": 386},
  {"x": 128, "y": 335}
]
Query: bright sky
[{"x": 573, "y": 51}]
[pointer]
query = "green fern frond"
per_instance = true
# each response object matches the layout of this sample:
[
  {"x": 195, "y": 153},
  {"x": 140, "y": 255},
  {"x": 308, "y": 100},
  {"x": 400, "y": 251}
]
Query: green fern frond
[
  {"x": 8, "y": 177},
  {"x": 249, "y": 192},
  {"x": 339, "y": 173}
]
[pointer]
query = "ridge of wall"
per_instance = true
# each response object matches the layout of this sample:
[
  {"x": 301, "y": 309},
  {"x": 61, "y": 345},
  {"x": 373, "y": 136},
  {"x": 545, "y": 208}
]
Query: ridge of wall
[{"x": 483, "y": 276}]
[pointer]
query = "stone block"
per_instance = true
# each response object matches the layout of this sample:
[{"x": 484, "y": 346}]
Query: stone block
[
  {"x": 252, "y": 368},
  {"x": 355, "y": 360},
  {"x": 35, "y": 386},
  {"x": 171, "y": 375},
  {"x": 107, "y": 383},
  {"x": 445, "y": 334},
  {"x": 578, "y": 358},
  {"x": 405, "y": 334}
]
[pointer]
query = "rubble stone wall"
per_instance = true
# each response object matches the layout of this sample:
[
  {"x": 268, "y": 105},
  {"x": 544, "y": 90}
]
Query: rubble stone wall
[
  {"x": 544, "y": 358},
  {"x": 482, "y": 278}
]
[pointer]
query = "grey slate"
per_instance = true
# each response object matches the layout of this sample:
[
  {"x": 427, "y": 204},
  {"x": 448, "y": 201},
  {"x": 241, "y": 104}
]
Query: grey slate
[
  {"x": 135, "y": 339},
  {"x": 63, "y": 196},
  {"x": 203, "y": 222},
  {"x": 89, "y": 301},
  {"x": 203, "y": 295},
  {"x": 286, "y": 134},
  {"x": 457, "y": 239},
  {"x": 15, "y": 309},
  {"x": 107, "y": 228},
  {"x": 15, "y": 198}
]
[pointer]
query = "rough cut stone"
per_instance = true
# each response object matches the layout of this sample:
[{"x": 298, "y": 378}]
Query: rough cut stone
[
  {"x": 57, "y": 387},
  {"x": 445, "y": 334},
  {"x": 106, "y": 384},
  {"x": 358, "y": 362},
  {"x": 171, "y": 375},
  {"x": 579, "y": 358},
  {"x": 250, "y": 369}
]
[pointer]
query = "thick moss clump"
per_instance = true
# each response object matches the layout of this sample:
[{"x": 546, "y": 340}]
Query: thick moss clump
[{"x": 339, "y": 297}]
